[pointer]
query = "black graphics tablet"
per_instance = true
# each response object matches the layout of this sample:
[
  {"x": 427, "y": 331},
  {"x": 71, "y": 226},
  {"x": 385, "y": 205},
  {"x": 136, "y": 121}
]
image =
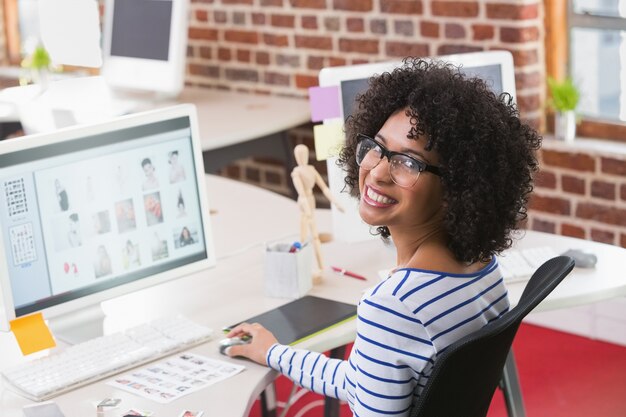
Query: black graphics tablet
[{"x": 303, "y": 318}]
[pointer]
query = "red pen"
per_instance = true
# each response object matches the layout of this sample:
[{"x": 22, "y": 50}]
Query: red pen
[{"x": 348, "y": 273}]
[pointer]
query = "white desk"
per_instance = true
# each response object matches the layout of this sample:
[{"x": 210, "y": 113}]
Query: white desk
[
  {"x": 233, "y": 125},
  {"x": 228, "y": 293},
  {"x": 582, "y": 286},
  {"x": 237, "y": 125},
  {"x": 228, "y": 118},
  {"x": 232, "y": 291}
]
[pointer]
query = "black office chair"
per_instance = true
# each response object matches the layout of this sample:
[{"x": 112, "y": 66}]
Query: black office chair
[{"x": 467, "y": 373}]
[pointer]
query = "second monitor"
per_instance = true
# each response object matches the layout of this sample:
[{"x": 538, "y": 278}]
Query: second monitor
[
  {"x": 495, "y": 67},
  {"x": 145, "y": 45}
]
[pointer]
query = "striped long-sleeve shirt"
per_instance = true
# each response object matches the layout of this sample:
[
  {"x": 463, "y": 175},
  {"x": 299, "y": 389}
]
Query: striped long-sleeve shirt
[{"x": 402, "y": 325}]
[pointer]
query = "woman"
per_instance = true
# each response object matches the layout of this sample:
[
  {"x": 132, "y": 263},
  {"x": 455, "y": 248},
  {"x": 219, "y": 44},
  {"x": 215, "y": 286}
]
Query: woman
[
  {"x": 185, "y": 237},
  {"x": 443, "y": 168}
]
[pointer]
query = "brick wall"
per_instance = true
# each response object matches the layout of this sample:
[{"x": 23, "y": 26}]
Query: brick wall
[
  {"x": 581, "y": 191},
  {"x": 279, "y": 46}
]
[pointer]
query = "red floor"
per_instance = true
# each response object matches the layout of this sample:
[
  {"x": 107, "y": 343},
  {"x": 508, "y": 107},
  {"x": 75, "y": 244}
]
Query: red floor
[{"x": 562, "y": 375}]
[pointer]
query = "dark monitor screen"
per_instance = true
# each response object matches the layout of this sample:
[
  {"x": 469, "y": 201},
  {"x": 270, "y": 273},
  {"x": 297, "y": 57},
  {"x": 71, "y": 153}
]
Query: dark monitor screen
[
  {"x": 350, "y": 89},
  {"x": 492, "y": 74},
  {"x": 141, "y": 29}
]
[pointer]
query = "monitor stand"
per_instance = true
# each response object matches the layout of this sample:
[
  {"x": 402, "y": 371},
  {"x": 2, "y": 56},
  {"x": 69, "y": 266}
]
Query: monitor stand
[
  {"x": 79, "y": 326},
  {"x": 126, "y": 100}
]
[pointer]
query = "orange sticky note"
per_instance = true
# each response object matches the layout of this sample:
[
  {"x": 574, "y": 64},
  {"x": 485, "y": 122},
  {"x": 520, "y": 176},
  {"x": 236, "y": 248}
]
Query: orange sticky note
[{"x": 32, "y": 333}]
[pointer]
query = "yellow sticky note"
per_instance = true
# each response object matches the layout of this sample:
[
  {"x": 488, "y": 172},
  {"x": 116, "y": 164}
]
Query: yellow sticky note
[
  {"x": 329, "y": 139},
  {"x": 32, "y": 333}
]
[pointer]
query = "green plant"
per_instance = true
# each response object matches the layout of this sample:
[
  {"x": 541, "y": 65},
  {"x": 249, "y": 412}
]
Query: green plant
[
  {"x": 565, "y": 94},
  {"x": 40, "y": 58},
  {"x": 37, "y": 64}
]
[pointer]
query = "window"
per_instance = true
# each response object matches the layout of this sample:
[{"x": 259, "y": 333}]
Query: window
[
  {"x": 28, "y": 25},
  {"x": 20, "y": 23},
  {"x": 586, "y": 39},
  {"x": 11, "y": 31}
]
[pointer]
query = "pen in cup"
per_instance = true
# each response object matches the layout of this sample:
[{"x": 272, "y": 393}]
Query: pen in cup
[{"x": 348, "y": 273}]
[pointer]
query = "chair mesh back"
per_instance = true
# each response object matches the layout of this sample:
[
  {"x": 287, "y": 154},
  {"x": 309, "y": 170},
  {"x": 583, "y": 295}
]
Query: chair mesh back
[{"x": 467, "y": 373}]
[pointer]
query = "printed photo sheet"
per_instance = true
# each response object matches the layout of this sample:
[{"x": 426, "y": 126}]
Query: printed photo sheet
[{"x": 175, "y": 377}]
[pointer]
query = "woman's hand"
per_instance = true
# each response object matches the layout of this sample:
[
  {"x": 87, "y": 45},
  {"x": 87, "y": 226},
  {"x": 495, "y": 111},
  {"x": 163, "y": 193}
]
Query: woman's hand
[{"x": 256, "y": 350}]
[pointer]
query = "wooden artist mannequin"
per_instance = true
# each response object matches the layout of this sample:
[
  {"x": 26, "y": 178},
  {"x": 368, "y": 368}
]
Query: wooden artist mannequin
[{"x": 305, "y": 177}]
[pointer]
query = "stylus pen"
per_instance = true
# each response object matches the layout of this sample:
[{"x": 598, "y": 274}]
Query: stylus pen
[{"x": 348, "y": 273}]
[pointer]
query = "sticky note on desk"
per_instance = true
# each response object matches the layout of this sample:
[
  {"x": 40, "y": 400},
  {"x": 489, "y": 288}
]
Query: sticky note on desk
[
  {"x": 329, "y": 139},
  {"x": 32, "y": 333},
  {"x": 324, "y": 102}
]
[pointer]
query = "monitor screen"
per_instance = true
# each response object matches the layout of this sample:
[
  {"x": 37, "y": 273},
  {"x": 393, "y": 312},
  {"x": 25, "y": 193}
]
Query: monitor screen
[
  {"x": 99, "y": 208},
  {"x": 491, "y": 74},
  {"x": 141, "y": 29},
  {"x": 495, "y": 67},
  {"x": 350, "y": 89}
]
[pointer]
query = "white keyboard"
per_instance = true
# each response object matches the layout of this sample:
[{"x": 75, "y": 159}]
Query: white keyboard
[
  {"x": 519, "y": 264},
  {"x": 86, "y": 362}
]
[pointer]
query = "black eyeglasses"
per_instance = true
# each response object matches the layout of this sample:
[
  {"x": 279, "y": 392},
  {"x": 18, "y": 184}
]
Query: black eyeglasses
[{"x": 403, "y": 169}]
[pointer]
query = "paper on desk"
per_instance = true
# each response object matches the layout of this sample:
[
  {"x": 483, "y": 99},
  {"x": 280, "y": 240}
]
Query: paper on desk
[
  {"x": 175, "y": 377},
  {"x": 32, "y": 333},
  {"x": 329, "y": 139},
  {"x": 70, "y": 31},
  {"x": 324, "y": 102}
]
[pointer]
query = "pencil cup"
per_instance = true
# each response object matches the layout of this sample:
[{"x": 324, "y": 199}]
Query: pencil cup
[{"x": 287, "y": 271}]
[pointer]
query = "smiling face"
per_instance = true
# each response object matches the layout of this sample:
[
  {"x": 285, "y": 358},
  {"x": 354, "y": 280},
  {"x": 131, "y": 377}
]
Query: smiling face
[{"x": 384, "y": 203}]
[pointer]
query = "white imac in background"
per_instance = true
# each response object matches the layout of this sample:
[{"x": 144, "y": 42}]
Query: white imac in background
[
  {"x": 145, "y": 45},
  {"x": 144, "y": 53},
  {"x": 495, "y": 67},
  {"x": 93, "y": 212}
]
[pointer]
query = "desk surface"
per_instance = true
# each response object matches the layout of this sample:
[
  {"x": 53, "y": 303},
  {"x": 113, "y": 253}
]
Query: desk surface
[
  {"x": 225, "y": 117},
  {"x": 232, "y": 291}
]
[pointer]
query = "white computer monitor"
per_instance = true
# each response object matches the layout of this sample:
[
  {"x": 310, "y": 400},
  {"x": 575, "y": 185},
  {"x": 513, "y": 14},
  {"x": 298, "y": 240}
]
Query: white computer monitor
[
  {"x": 93, "y": 212},
  {"x": 495, "y": 67},
  {"x": 145, "y": 45}
]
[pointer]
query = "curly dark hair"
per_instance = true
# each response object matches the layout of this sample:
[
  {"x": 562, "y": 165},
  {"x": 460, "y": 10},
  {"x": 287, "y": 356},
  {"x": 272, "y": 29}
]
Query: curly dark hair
[{"x": 487, "y": 155}]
